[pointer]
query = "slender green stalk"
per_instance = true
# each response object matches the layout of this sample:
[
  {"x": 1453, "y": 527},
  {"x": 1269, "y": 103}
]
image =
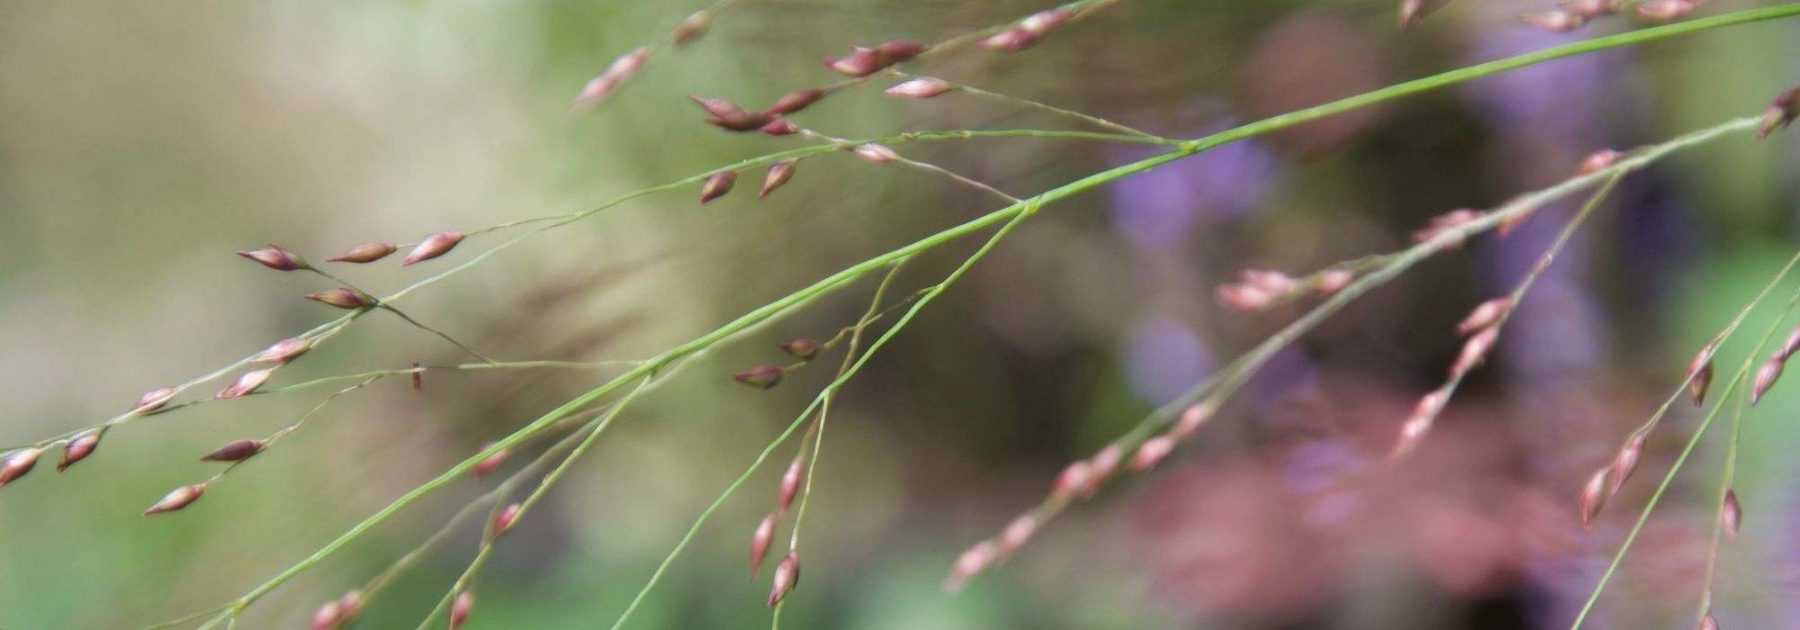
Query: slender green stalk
[
  {"x": 1729, "y": 476},
  {"x": 1675, "y": 468}
]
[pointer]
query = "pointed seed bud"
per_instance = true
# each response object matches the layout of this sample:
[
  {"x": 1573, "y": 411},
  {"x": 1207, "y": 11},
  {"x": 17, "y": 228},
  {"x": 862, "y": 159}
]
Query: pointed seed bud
[
  {"x": 861, "y": 62},
  {"x": 779, "y": 127},
  {"x": 418, "y": 377},
  {"x": 1732, "y": 513},
  {"x": 760, "y": 377},
  {"x": 801, "y": 348},
  {"x": 760, "y": 541},
  {"x": 1598, "y": 161},
  {"x": 490, "y": 464},
  {"x": 1071, "y": 480},
  {"x": 1411, "y": 11},
  {"x": 897, "y": 51},
  {"x": 1334, "y": 280},
  {"x": 245, "y": 384},
  {"x": 1700, "y": 373},
  {"x": 328, "y": 616},
  {"x": 432, "y": 247},
  {"x": 717, "y": 185},
  {"x": 1474, "y": 351},
  {"x": 1190, "y": 421},
  {"x": 366, "y": 253},
  {"x": 78, "y": 449},
  {"x": 1624, "y": 463},
  {"x": 1102, "y": 465},
  {"x": 341, "y": 297},
  {"x": 692, "y": 27},
  {"x": 1781, "y": 113},
  {"x": 875, "y": 153},
  {"x": 274, "y": 257},
  {"x": 1152, "y": 452},
  {"x": 1041, "y": 22},
  {"x": 1554, "y": 20},
  {"x": 1593, "y": 496},
  {"x": 283, "y": 351},
  {"x": 350, "y": 605},
  {"x": 18, "y": 463},
  {"x": 176, "y": 499},
  {"x": 1708, "y": 623},
  {"x": 1018, "y": 532},
  {"x": 153, "y": 400},
  {"x": 971, "y": 563},
  {"x": 1593, "y": 8},
  {"x": 235, "y": 451},
  {"x": 790, "y": 484},
  {"x": 717, "y": 107},
  {"x": 787, "y": 575},
  {"x": 1766, "y": 377},
  {"x": 921, "y": 88},
  {"x": 1010, "y": 40},
  {"x": 1484, "y": 315},
  {"x": 795, "y": 101},
  {"x": 1666, "y": 10},
  {"x": 1792, "y": 345},
  {"x": 460, "y": 610},
  {"x": 504, "y": 520},
  {"x": 1244, "y": 298}
]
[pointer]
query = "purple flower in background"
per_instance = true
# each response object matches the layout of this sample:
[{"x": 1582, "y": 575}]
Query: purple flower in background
[
  {"x": 1165, "y": 358},
  {"x": 1159, "y": 209}
]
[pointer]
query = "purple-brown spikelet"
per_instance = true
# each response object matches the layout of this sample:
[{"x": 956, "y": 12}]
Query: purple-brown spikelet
[
  {"x": 1791, "y": 345},
  {"x": 692, "y": 27},
  {"x": 78, "y": 448},
  {"x": 1333, "y": 280},
  {"x": 1666, "y": 10},
  {"x": 1446, "y": 222},
  {"x": 177, "y": 499},
  {"x": 1010, "y": 40},
  {"x": 760, "y": 541},
  {"x": 1592, "y": 8},
  {"x": 1411, "y": 11},
  {"x": 283, "y": 351},
  {"x": 800, "y": 348},
  {"x": 350, "y": 605},
  {"x": 717, "y": 185},
  {"x": 506, "y": 517},
  {"x": 1102, "y": 465},
  {"x": 1598, "y": 161},
  {"x": 1781, "y": 113},
  {"x": 1766, "y": 377},
  {"x": 1190, "y": 421},
  {"x": 971, "y": 563},
  {"x": 461, "y": 609},
  {"x": 1484, "y": 316},
  {"x": 778, "y": 175},
  {"x": 418, "y": 377},
  {"x": 1707, "y": 622},
  {"x": 328, "y": 616},
  {"x": 153, "y": 400},
  {"x": 875, "y": 153},
  {"x": 342, "y": 297},
  {"x": 790, "y": 484},
  {"x": 861, "y": 62},
  {"x": 1731, "y": 513},
  {"x": 1071, "y": 481},
  {"x": 245, "y": 384},
  {"x": 1424, "y": 414},
  {"x": 1018, "y": 532},
  {"x": 1152, "y": 452},
  {"x": 236, "y": 451},
  {"x": 491, "y": 463},
  {"x": 432, "y": 247},
  {"x": 18, "y": 463},
  {"x": 366, "y": 253},
  {"x": 1042, "y": 22},
  {"x": 896, "y": 51},
  {"x": 1624, "y": 463},
  {"x": 1244, "y": 298},
  {"x": 787, "y": 576},
  {"x": 1593, "y": 496},
  {"x": 779, "y": 126},
  {"x": 794, "y": 101},
  {"x": 274, "y": 257},
  {"x": 760, "y": 377},
  {"x": 600, "y": 87},
  {"x": 920, "y": 88},
  {"x": 1554, "y": 20},
  {"x": 1700, "y": 373},
  {"x": 1474, "y": 351}
]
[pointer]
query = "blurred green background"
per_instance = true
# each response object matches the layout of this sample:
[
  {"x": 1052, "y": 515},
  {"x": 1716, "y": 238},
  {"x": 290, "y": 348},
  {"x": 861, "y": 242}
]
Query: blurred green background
[{"x": 142, "y": 143}]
